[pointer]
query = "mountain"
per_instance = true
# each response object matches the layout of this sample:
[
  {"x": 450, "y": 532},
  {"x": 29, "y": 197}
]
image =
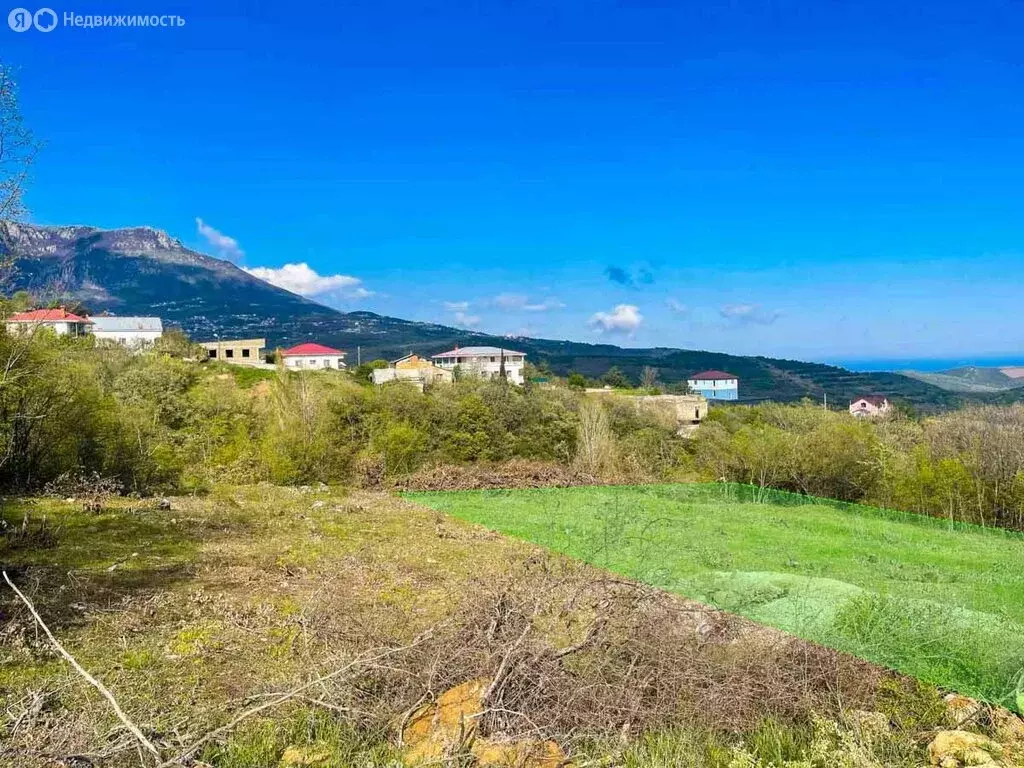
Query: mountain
[
  {"x": 144, "y": 271},
  {"x": 972, "y": 378}
]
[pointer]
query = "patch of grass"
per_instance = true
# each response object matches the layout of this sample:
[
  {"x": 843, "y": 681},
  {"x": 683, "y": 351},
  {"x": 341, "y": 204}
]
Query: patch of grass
[
  {"x": 308, "y": 735},
  {"x": 943, "y": 604},
  {"x": 244, "y": 376}
]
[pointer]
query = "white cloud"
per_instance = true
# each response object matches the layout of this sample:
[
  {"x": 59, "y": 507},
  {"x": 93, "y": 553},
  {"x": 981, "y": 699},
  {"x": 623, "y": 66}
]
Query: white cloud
[
  {"x": 305, "y": 281},
  {"x": 227, "y": 247},
  {"x": 748, "y": 314},
  {"x": 625, "y": 318},
  {"x": 466, "y": 321},
  {"x": 678, "y": 307},
  {"x": 456, "y": 306},
  {"x": 518, "y": 301}
]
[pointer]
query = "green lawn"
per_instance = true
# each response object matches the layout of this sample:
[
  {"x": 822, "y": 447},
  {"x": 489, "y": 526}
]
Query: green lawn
[{"x": 908, "y": 592}]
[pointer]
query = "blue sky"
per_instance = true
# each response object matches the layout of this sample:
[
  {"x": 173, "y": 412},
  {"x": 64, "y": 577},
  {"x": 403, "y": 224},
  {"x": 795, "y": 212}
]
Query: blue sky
[{"x": 815, "y": 180}]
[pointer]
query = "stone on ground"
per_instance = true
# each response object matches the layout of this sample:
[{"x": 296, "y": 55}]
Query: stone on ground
[{"x": 436, "y": 731}]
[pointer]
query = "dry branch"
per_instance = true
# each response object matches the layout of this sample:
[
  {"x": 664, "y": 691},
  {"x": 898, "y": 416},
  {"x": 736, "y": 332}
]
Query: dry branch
[
  {"x": 287, "y": 696},
  {"x": 132, "y": 728}
]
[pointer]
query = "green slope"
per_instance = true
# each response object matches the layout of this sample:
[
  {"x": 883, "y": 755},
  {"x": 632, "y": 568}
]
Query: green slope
[
  {"x": 905, "y": 591},
  {"x": 972, "y": 379}
]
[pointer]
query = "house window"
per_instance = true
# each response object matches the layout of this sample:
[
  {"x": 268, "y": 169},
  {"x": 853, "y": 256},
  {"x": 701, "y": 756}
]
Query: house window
[
  {"x": 245, "y": 353},
  {"x": 326, "y": 362},
  {"x": 229, "y": 353},
  {"x": 213, "y": 354}
]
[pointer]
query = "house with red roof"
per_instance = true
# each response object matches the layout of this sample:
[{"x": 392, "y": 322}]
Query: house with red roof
[
  {"x": 59, "y": 320},
  {"x": 715, "y": 385},
  {"x": 313, "y": 357}
]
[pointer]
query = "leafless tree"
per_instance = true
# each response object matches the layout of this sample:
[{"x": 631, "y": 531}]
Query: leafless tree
[
  {"x": 18, "y": 148},
  {"x": 649, "y": 377}
]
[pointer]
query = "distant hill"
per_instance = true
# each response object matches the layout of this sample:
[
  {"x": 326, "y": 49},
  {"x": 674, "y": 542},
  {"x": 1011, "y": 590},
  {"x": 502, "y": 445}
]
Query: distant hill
[
  {"x": 972, "y": 379},
  {"x": 144, "y": 271}
]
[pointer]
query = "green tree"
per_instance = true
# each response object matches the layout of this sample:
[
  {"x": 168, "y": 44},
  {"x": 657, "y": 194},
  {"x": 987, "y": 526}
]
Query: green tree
[
  {"x": 364, "y": 373},
  {"x": 614, "y": 377},
  {"x": 576, "y": 380}
]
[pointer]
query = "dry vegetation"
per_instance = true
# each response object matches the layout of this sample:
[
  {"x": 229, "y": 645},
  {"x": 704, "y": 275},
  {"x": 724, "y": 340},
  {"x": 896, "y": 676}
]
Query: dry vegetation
[{"x": 193, "y": 614}]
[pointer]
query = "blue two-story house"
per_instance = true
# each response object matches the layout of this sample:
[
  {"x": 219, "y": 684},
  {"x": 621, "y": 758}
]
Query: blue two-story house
[{"x": 715, "y": 385}]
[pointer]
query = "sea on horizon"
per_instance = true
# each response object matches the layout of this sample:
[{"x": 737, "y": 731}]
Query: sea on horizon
[{"x": 926, "y": 364}]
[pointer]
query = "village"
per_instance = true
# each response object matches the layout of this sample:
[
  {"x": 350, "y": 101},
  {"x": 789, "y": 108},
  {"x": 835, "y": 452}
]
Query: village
[{"x": 485, "y": 362}]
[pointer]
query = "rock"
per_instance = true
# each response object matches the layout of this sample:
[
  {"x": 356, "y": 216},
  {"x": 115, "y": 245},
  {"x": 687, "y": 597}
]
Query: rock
[
  {"x": 456, "y": 710},
  {"x": 433, "y": 730},
  {"x": 319, "y": 504},
  {"x": 163, "y": 504},
  {"x": 961, "y": 710},
  {"x": 1009, "y": 730},
  {"x": 305, "y": 757},
  {"x": 959, "y": 749}
]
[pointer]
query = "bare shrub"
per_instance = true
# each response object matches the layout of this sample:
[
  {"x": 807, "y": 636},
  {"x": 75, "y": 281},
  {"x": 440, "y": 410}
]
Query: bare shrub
[
  {"x": 518, "y": 473},
  {"x": 570, "y": 657},
  {"x": 80, "y": 484},
  {"x": 595, "y": 444}
]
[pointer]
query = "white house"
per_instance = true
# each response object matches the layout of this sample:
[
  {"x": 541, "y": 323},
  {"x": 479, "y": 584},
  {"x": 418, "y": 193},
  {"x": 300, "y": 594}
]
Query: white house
[
  {"x": 485, "y": 362},
  {"x": 131, "y": 332},
  {"x": 59, "y": 320},
  {"x": 312, "y": 356},
  {"x": 869, "y": 405}
]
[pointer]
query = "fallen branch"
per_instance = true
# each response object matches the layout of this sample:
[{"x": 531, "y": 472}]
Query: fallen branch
[
  {"x": 286, "y": 696},
  {"x": 504, "y": 668},
  {"x": 591, "y": 635},
  {"x": 132, "y": 728}
]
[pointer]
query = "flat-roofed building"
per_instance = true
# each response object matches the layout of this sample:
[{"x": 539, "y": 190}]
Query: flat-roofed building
[{"x": 236, "y": 351}]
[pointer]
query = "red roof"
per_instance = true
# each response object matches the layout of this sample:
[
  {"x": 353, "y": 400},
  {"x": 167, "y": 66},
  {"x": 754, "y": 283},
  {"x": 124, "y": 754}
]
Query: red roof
[
  {"x": 59, "y": 315},
  {"x": 310, "y": 348},
  {"x": 712, "y": 376}
]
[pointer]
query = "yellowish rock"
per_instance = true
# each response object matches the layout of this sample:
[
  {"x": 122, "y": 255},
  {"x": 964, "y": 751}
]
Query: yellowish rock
[
  {"x": 960, "y": 749},
  {"x": 961, "y": 710},
  {"x": 1009, "y": 731},
  {"x": 437, "y": 730}
]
